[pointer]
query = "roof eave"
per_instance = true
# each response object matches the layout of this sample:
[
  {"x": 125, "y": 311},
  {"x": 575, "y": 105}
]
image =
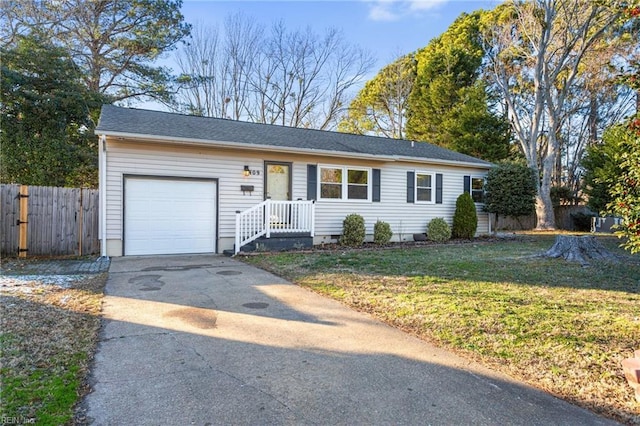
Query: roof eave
[
  {"x": 254, "y": 147},
  {"x": 240, "y": 145},
  {"x": 446, "y": 162}
]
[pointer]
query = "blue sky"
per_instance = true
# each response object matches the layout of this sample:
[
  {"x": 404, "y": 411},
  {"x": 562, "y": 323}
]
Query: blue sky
[{"x": 386, "y": 27}]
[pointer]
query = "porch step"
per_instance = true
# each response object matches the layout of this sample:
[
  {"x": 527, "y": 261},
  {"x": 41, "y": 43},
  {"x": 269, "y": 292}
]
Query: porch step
[{"x": 279, "y": 242}]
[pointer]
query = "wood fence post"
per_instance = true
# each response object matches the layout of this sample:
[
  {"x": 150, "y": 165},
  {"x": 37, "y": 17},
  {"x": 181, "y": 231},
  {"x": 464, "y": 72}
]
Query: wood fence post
[
  {"x": 80, "y": 230},
  {"x": 22, "y": 221}
]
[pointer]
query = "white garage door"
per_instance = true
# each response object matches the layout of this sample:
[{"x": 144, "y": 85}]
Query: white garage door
[{"x": 164, "y": 216}]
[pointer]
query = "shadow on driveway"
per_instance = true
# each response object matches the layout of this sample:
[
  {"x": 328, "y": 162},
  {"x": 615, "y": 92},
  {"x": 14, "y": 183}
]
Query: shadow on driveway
[{"x": 210, "y": 340}]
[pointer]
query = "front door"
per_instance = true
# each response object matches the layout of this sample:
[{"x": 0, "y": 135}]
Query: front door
[
  {"x": 278, "y": 184},
  {"x": 278, "y": 187}
]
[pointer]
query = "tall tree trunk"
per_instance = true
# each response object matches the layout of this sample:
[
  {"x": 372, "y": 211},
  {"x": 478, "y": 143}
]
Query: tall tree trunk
[
  {"x": 557, "y": 173},
  {"x": 544, "y": 212},
  {"x": 544, "y": 205}
]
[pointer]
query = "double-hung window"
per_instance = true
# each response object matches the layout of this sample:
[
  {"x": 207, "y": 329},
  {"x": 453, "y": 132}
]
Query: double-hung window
[
  {"x": 330, "y": 183},
  {"x": 425, "y": 187},
  {"x": 477, "y": 189},
  {"x": 345, "y": 183}
]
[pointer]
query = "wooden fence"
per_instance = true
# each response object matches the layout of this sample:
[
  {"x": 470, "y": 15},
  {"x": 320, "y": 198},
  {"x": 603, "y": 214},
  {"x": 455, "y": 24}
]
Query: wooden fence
[
  {"x": 562, "y": 214},
  {"x": 60, "y": 221}
]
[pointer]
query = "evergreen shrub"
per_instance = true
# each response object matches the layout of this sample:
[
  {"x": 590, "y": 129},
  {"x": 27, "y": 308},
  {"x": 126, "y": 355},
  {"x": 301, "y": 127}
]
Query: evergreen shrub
[
  {"x": 465, "y": 218},
  {"x": 382, "y": 233},
  {"x": 438, "y": 230},
  {"x": 353, "y": 231}
]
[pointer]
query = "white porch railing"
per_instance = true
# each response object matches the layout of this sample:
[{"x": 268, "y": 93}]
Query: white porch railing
[{"x": 274, "y": 216}]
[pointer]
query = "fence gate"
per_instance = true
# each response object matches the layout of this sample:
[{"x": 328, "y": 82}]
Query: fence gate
[{"x": 59, "y": 221}]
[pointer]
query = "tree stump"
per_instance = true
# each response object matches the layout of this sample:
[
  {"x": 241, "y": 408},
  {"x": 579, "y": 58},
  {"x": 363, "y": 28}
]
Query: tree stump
[{"x": 579, "y": 249}]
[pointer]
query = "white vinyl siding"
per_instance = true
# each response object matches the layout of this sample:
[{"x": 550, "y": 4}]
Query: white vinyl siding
[
  {"x": 405, "y": 218},
  {"x": 227, "y": 167},
  {"x": 155, "y": 160}
]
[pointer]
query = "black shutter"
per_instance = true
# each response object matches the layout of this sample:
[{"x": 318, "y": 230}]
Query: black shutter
[
  {"x": 411, "y": 182},
  {"x": 467, "y": 184},
  {"x": 312, "y": 182},
  {"x": 438, "y": 188},
  {"x": 376, "y": 186}
]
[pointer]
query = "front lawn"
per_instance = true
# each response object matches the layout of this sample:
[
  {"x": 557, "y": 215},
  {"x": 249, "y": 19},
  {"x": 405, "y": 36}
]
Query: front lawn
[
  {"x": 556, "y": 325},
  {"x": 48, "y": 333}
]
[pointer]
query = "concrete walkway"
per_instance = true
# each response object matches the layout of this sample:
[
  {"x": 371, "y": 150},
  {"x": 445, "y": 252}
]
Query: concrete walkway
[{"x": 208, "y": 340}]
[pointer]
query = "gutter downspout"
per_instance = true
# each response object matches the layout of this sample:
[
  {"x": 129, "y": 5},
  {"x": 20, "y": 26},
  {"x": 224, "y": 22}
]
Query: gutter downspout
[{"x": 102, "y": 185}]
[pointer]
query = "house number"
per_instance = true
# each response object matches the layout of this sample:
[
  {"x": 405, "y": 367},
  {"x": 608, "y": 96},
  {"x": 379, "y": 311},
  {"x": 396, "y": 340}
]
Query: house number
[{"x": 255, "y": 172}]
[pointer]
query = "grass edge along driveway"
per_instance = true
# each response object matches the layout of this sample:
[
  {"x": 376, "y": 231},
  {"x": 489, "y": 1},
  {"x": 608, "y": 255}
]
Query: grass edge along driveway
[
  {"x": 553, "y": 324},
  {"x": 48, "y": 335}
]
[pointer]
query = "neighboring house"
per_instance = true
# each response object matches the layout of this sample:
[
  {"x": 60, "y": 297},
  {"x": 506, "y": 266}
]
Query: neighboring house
[{"x": 172, "y": 183}]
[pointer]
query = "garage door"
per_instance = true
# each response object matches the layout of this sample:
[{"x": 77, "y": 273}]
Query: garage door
[{"x": 169, "y": 216}]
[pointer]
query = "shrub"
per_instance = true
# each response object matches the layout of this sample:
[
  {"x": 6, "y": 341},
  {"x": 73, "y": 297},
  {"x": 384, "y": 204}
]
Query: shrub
[
  {"x": 510, "y": 190},
  {"x": 465, "y": 218},
  {"x": 353, "y": 231},
  {"x": 438, "y": 230},
  {"x": 382, "y": 232}
]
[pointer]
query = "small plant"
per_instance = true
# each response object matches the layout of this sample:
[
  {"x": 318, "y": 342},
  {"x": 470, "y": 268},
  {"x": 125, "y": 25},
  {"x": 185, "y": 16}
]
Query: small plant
[
  {"x": 438, "y": 230},
  {"x": 353, "y": 231},
  {"x": 382, "y": 232},
  {"x": 465, "y": 218}
]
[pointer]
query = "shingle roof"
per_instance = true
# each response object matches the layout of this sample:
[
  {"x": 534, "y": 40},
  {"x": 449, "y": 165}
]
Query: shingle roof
[{"x": 119, "y": 120}]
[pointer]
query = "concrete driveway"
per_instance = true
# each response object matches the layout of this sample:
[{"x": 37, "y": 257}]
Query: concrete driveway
[{"x": 209, "y": 340}]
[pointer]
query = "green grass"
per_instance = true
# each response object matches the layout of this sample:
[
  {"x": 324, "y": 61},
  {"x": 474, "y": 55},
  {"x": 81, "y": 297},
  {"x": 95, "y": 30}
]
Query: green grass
[
  {"x": 47, "y": 337},
  {"x": 557, "y": 325},
  {"x": 45, "y": 394}
]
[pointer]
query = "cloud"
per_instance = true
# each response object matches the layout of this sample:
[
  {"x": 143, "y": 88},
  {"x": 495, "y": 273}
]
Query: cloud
[
  {"x": 382, "y": 11},
  {"x": 425, "y": 4},
  {"x": 393, "y": 10}
]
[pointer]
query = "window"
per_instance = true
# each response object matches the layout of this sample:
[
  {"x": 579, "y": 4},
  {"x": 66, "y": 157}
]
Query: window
[
  {"x": 358, "y": 184},
  {"x": 344, "y": 183},
  {"x": 424, "y": 187},
  {"x": 477, "y": 189},
  {"x": 330, "y": 183}
]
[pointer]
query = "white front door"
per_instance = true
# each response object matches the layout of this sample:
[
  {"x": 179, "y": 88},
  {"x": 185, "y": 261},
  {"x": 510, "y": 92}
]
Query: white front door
[{"x": 278, "y": 185}]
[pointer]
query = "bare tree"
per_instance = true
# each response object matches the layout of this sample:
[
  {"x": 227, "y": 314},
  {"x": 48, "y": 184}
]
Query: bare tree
[
  {"x": 215, "y": 68},
  {"x": 292, "y": 78},
  {"x": 536, "y": 50},
  {"x": 200, "y": 80},
  {"x": 242, "y": 47}
]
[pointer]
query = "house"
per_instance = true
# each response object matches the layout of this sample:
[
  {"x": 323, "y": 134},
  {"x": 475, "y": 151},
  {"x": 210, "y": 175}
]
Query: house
[{"x": 173, "y": 183}]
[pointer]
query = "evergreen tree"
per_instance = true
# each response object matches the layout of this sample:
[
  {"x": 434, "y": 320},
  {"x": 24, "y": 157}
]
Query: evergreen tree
[
  {"x": 47, "y": 131},
  {"x": 449, "y": 105},
  {"x": 624, "y": 187},
  {"x": 113, "y": 42},
  {"x": 381, "y": 106}
]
